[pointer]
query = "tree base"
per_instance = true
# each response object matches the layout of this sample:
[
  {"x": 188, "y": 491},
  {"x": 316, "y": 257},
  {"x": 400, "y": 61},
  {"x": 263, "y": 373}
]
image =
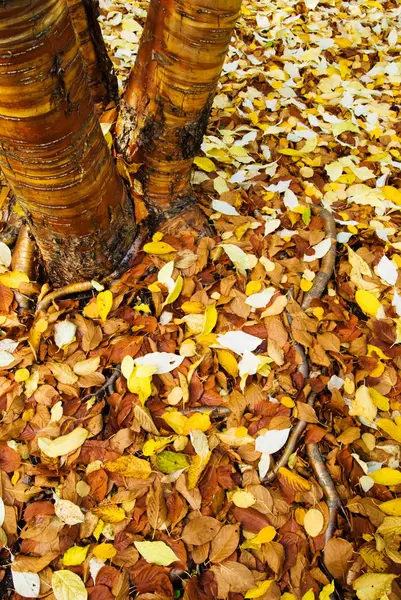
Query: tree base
[{"x": 190, "y": 219}]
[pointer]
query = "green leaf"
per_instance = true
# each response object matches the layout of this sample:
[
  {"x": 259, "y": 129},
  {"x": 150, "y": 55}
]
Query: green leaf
[{"x": 168, "y": 462}]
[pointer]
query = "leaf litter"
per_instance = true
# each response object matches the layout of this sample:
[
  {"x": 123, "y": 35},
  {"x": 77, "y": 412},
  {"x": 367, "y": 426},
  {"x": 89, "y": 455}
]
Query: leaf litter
[{"x": 224, "y": 421}]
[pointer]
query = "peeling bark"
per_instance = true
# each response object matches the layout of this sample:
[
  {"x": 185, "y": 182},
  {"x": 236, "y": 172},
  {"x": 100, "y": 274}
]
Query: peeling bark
[
  {"x": 52, "y": 150},
  {"x": 166, "y": 106},
  {"x": 101, "y": 77}
]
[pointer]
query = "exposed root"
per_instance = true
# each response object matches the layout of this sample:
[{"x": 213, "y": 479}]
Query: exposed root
[
  {"x": 108, "y": 386},
  {"x": 316, "y": 460},
  {"x": 326, "y": 483},
  {"x": 85, "y": 286},
  {"x": 327, "y": 267},
  {"x": 67, "y": 290},
  {"x": 23, "y": 261},
  {"x": 190, "y": 219}
]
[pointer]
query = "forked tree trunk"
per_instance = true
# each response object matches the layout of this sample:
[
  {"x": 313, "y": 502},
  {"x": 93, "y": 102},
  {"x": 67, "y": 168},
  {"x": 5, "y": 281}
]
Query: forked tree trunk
[
  {"x": 52, "y": 150},
  {"x": 102, "y": 80},
  {"x": 166, "y": 106}
]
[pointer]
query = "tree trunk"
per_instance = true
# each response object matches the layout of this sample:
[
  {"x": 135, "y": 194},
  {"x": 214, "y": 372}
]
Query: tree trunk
[
  {"x": 167, "y": 102},
  {"x": 102, "y": 80},
  {"x": 52, "y": 152}
]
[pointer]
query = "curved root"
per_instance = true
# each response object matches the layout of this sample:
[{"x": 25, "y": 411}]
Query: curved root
[{"x": 23, "y": 259}]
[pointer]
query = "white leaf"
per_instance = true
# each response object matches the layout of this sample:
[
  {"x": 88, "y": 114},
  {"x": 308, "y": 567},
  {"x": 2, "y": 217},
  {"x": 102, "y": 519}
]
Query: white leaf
[
  {"x": 334, "y": 170},
  {"x": 8, "y": 345},
  {"x": 2, "y": 511},
  {"x": 311, "y": 3},
  {"x": 165, "y": 317},
  {"x": 393, "y": 37},
  {"x": 6, "y": 358},
  {"x": 241, "y": 260},
  {"x": 220, "y": 185},
  {"x": 164, "y": 362},
  {"x": 397, "y": 302},
  {"x": 290, "y": 199},
  {"x": 238, "y": 341},
  {"x": 320, "y": 250},
  {"x": 64, "y": 333},
  {"x": 261, "y": 299},
  {"x": 366, "y": 483},
  {"x": 68, "y": 512},
  {"x": 272, "y": 441},
  {"x": 387, "y": 270},
  {"x": 127, "y": 366},
  {"x": 5, "y": 255},
  {"x": 199, "y": 442},
  {"x": 26, "y": 584},
  {"x": 343, "y": 237},
  {"x": 264, "y": 465},
  {"x": 272, "y": 225},
  {"x": 95, "y": 564},
  {"x": 224, "y": 208},
  {"x": 248, "y": 365},
  {"x": 166, "y": 272},
  {"x": 335, "y": 383}
]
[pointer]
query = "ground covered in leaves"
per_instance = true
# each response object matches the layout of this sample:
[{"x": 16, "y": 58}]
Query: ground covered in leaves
[{"x": 141, "y": 425}]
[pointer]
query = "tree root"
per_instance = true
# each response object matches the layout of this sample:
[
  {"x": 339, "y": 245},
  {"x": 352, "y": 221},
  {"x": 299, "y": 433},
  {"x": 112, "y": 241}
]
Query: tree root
[
  {"x": 85, "y": 286},
  {"x": 316, "y": 460},
  {"x": 23, "y": 261}
]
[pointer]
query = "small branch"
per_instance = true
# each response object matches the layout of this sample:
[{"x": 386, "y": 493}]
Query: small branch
[
  {"x": 108, "y": 386},
  {"x": 218, "y": 412}
]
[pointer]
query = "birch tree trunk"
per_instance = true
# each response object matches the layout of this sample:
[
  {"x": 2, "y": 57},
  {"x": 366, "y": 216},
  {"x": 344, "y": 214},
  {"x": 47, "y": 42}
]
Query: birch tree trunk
[
  {"x": 52, "y": 150},
  {"x": 102, "y": 80},
  {"x": 167, "y": 102}
]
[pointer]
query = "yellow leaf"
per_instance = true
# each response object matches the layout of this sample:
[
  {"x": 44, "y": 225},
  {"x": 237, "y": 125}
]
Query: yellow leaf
[
  {"x": 104, "y": 551},
  {"x": 243, "y": 499},
  {"x": 386, "y": 476},
  {"x": 260, "y": 589},
  {"x": 293, "y": 480},
  {"x": 313, "y": 522},
  {"x": 192, "y": 308},
  {"x": 21, "y": 375},
  {"x": 87, "y": 367},
  {"x": 392, "y": 507},
  {"x": 130, "y": 466},
  {"x": 309, "y": 595},
  {"x": 63, "y": 444},
  {"x": 204, "y": 163},
  {"x": 373, "y": 558},
  {"x": 158, "y": 248},
  {"x": 111, "y": 513},
  {"x": 13, "y": 279},
  {"x": 97, "y": 532},
  {"x": 68, "y": 586},
  {"x": 175, "y": 292},
  {"x": 151, "y": 446},
  {"x": 253, "y": 287},
  {"x": 210, "y": 319},
  {"x": 392, "y": 194},
  {"x": 265, "y": 535},
  {"x": 391, "y": 428},
  {"x": 140, "y": 385},
  {"x": 196, "y": 468},
  {"x": 104, "y": 302},
  {"x": 228, "y": 362},
  {"x": 91, "y": 311},
  {"x": 367, "y": 302},
  {"x": 200, "y": 421},
  {"x": 75, "y": 556},
  {"x": 373, "y": 586},
  {"x": 378, "y": 399},
  {"x": 306, "y": 285},
  {"x": 362, "y": 405},
  {"x": 176, "y": 420}
]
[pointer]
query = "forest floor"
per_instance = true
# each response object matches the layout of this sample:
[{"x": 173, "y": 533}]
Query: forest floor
[{"x": 225, "y": 421}]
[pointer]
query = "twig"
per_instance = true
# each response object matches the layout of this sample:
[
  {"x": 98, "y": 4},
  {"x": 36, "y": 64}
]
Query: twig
[
  {"x": 218, "y": 412},
  {"x": 107, "y": 386}
]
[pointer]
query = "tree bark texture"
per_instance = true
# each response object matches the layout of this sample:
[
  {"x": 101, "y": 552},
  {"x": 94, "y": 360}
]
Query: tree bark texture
[
  {"x": 102, "y": 80},
  {"x": 167, "y": 102},
  {"x": 52, "y": 150}
]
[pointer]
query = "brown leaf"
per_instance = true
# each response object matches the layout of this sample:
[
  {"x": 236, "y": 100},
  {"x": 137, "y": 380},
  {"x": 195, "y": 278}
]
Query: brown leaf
[
  {"x": 6, "y": 298},
  {"x": 33, "y": 564},
  {"x": 225, "y": 543},
  {"x": 306, "y": 413},
  {"x": 10, "y": 460},
  {"x": 329, "y": 342},
  {"x": 156, "y": 507},
  {"x": 338, "y": 555},
  {"x": 201, "y": 530},
  {"x": 250, "y": 519},
  {"x": 232, "y": 576}
]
